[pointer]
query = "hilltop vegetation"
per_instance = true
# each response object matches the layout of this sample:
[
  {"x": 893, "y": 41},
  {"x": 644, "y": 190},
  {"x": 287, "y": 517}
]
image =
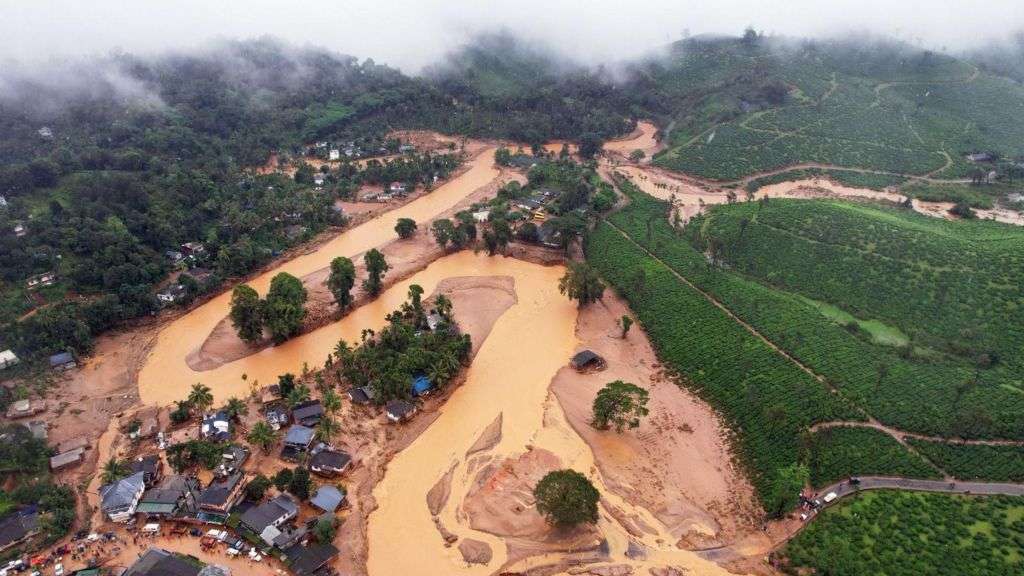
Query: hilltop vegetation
[{"x": 742, "y": 106}]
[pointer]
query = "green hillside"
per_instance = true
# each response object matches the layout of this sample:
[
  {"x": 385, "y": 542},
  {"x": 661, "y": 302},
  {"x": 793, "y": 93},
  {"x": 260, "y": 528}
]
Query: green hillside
[{"x": 742, "y": 107}]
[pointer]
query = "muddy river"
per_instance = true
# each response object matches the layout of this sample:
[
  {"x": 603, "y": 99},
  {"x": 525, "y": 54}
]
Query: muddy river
[{"x": 166, "y": 377}]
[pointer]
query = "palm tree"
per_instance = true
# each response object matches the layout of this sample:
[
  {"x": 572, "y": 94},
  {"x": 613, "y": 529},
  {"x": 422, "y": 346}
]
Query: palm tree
[
  {"x": 236, "y": 407},
  {"x": 298, "y": 395},
  {"x": 114, "y": 470},
  {"x": 327, "y": 428},
  {"x": 262, "y": 435},
  {"x": 200, "y": 397},
  {"x": 443, "y": 305},
  {"x": 331, "y": 401}
]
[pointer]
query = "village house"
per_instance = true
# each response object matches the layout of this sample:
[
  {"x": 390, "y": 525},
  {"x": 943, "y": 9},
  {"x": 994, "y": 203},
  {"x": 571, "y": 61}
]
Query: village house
[
  {"x": 434, "y": 320},
  {"x": 399, "y": 410},
  {"x": 319, "y": 178},
  {"x": 277, "y": 416},
  {"x": 586, "y": 359},
  {"x": 980, "y": 157},
  {"x": 406, "y": 148},
  {"x": 296, "y": 442},
  {"x": 421, "y": 386},
  {"x": 43, "y": 280},
  {"x": 269, "y": 394},
  {"x": 307, "y": 560},
  {"x": 362, "y": 395},
  {"x": 397, "y": 188},
  {"x": 8, "y": 359},
  {"x": 327, "y": 498},
  {"x": 174, "y": 256},
  {"x": 119, "y": 499},
  {"x": 231, "y": 460},
  {"x": 481, "y": 216},
  {"x": 159, "y": 562},
  {"x": 45, "y": 132},
  {"x": 266, "y": 519},
  {"x": 18, "y": 527},
  {"x": 327, "y": 461},
  {"x": 194, "y": 249},
  {"x": 25, "y": 408},
  {"x": 171, "y": 294},
  {"x": 19, "y": 229},
  {"x": 548, "y": 235},
  {"x": 175, "y": 496},
  {"x": 308, "y": 413},
  {"x": 217, "y": 499},
  {"x": 67, "y": 459},
  {"x": 63, "y": 361},
  {"x": 334, "y": 154},
  {"x": 38, "y": 428},
  {"x": 152, "y": 468},
  {"x": 216, "y": 427}
]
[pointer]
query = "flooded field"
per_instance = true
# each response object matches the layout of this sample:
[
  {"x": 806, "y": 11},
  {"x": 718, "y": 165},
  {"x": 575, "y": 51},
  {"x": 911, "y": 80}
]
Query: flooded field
[{"x": 166, "y": 376}]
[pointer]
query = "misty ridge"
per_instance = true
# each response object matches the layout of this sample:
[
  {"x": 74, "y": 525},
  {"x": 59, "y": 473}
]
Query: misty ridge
[{"x": 499, "y": 63}]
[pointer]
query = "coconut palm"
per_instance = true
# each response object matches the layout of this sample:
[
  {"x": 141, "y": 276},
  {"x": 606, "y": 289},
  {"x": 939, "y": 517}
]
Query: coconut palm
[
  {"x": 114, "y": 470},
  {"x": 262, "y": 435},
  {"x": 236, "y": 408},
  {"x": 298, "y": 395},
  {"x": 331, "y": 401},
  {"x": 327, "y": 428},
  {"x": 200, "y": 397}
]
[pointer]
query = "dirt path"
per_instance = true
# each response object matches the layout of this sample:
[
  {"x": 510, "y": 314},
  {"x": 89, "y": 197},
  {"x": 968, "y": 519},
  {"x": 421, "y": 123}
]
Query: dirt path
[{"x": 898, "y": 434}]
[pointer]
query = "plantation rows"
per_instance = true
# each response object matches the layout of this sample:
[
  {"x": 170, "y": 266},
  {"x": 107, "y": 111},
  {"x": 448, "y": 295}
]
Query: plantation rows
[
  {"x": 912, "y": 534},
  {"x": 839, "y": 453},
  {"x": 954, "y": 286},
  {"x": 766, "y": 400},
  {"x": 934, "y": 395},
  {"x": 976, "y": 462}
]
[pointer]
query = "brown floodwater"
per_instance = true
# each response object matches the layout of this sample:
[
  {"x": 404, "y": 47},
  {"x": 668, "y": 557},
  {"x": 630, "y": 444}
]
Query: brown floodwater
[
  {"x": 510, "y": 375},
  {"x": 642, "y": 140},
  {"x": 166, "y": 377}
]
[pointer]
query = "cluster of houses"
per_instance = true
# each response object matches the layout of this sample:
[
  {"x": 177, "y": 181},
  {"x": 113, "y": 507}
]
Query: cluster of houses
[{"x": 352, "y": 151}]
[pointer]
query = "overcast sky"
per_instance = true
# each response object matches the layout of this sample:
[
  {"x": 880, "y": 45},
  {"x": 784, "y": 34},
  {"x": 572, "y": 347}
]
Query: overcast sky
[{"x": 412, "y": 33}]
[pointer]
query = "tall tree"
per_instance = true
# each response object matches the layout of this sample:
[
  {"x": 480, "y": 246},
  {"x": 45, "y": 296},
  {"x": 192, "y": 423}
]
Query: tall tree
[
  {"x": 246, "y": 313},
  {"x": 262, "y": 435},
  {"x": 444, "y": 231},
  {"x": 619, "y": 404},
  {"x": 113, "y": 470},
  {"x": 341, "y": 281},
  {"x": 285, "y": 308},
  {"x": 405, "y": 227},
  {"x": 581, "y": 283},
  {"x": 200, "y": 397},
  {"x": 376, "y": 267},
  {"x": 566, "y": 498}
]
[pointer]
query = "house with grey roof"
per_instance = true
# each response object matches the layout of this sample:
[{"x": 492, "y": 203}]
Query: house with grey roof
[
  {"x": 175, "y": 496},
  {"x": 160, "y": 562},
  {"x": 327, "y": 461},
  {"x": 327, "y": 498},
  {"x": 119, "y": 499},
  {"x": 266, "y": 519},
  {"x": 217, "y": 499},
  {"x": 18, "y": 527},
  {"x": 297, "y": 441}
]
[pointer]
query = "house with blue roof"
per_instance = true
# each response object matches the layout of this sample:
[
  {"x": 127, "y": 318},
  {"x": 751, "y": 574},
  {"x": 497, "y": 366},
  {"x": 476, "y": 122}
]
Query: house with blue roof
[{"x": 421, "y": 385}]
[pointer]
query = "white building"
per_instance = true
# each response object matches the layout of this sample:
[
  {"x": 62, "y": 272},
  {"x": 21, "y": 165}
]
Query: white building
[
  {"x": 8, "y": 359},
  {"x": 334, "y": 154}
]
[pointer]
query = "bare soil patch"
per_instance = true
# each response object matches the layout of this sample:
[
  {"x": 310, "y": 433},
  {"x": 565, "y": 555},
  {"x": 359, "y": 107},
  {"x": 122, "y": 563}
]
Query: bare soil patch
[{"x": 677, "y": 464}]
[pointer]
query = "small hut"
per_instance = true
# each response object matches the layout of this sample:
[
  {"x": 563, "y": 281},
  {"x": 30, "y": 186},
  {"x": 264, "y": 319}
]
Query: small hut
[{"x": 587, "y": 360}]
